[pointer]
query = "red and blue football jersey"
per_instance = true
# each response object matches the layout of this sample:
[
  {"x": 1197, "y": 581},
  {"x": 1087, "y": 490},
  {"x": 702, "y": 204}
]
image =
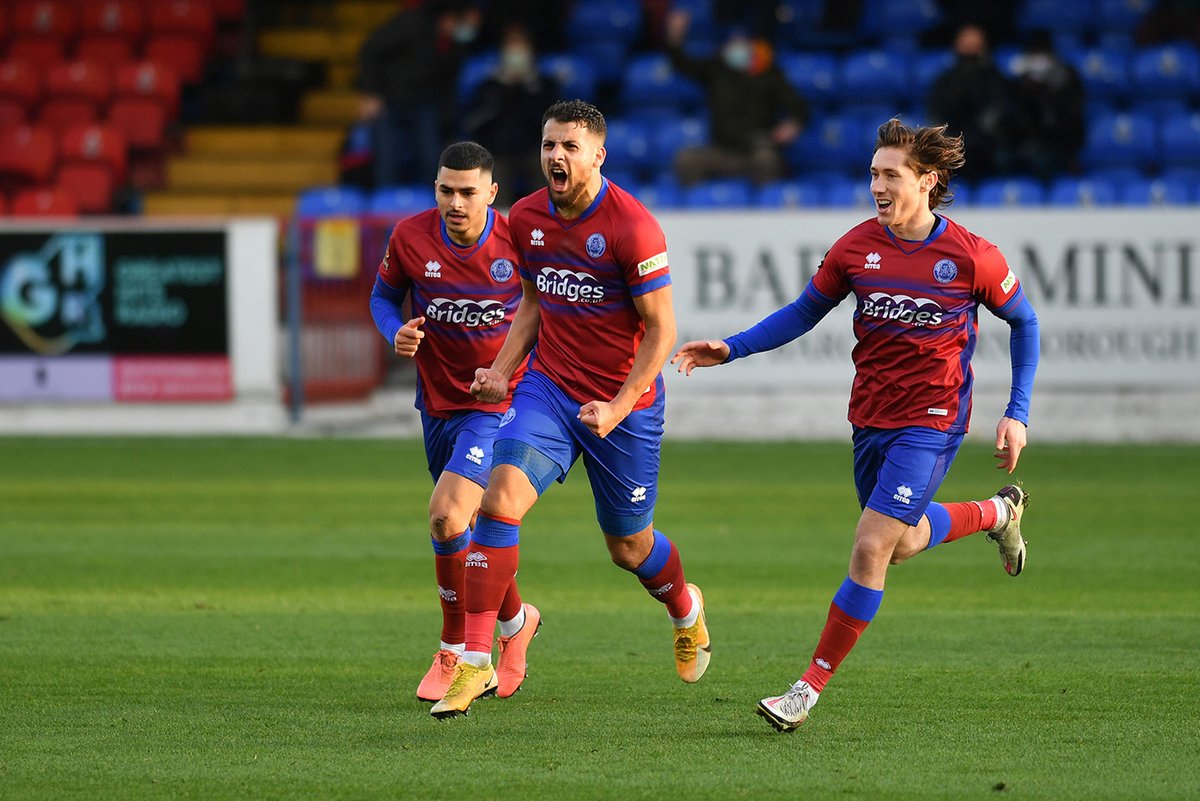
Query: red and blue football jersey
[
  {"x": 468, "y": 296},
  {"x": 916, "y": 319},
  {"x": 588, "y": 271}
]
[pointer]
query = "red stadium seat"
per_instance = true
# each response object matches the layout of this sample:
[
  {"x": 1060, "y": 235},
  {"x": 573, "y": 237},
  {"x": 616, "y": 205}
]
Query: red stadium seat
[
  {"x": 184, "y": 54},
  {"x": 44, "y": 202},
  {"x": 40, "y": 51},
  {"x": 51, "y": 18},
  {"x": 94, "y": 144},
  {"x": 28, "y": 154},
  {"x": 183, "y": 17},
  {"x": 103, "y": 49},
  {"x": 20, "y": 88},
  {"x": 142, "y": 121},
  {"x": 149, "y": 80},
  {"x": 75, "y": 94},
  {"x": 91, "y": 185},
  {"x": 122, "y": 18}
]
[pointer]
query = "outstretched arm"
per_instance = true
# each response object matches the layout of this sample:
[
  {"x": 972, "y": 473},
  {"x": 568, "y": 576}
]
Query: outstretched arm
[{"x": 1024, "y": 350}]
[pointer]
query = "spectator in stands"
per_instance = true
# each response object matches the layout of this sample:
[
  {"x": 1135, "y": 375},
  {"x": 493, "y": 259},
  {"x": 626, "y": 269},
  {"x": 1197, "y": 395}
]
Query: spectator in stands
[
  {"x": 976, "y": 100},
  {"x": 408, "y": 72},
  {"x": 505, "y": 109},
  {"x": 1049, "y": 110},
  {"x": 753, "y": 111},
  {"x": 1170, "y": 21},
  {"x": 998, "y": 20}
]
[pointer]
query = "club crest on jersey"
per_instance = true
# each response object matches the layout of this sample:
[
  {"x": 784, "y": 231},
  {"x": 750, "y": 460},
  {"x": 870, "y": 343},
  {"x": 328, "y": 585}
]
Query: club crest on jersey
[
  {"x": 508, "y": 417},
  {"x": 945, "y": 271},
  {"x": 873, "y": 261},
  {"x": 537, "y": 238},
  {"x": 433, "y": 269},
  {"x": 596, "y": 245},
  {"x": 502, "y": 270}
]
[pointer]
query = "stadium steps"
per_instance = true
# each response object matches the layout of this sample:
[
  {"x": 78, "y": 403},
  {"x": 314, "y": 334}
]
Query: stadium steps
[{"x": 202, "y": 205}]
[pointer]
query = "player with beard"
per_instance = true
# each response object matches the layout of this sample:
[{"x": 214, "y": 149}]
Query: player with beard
[
  {"x": 458, "y": 264},
  {"x": 917, "y": 279},
  {"x": 596, "y": 313}
]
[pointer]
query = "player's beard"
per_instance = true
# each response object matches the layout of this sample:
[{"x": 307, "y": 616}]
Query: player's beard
[{"x": 569, "y": 198}]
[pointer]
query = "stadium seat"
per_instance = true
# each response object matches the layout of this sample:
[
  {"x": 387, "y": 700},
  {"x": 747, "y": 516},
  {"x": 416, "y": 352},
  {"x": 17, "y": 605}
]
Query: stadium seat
[
  {"x": 1120, "y": 140},
  {"x": 44, "y": 202},
  {"x": 814, "y": 75},
  {"x": 75, "y": 94},
  {"x": 332, "y": 201},
  {"x": 28, "y": 154},
  {"x": 605, "y": 56},
  {"x": 630, "y": 146},
  {"x": 1120, "y": 15},
  {"x": 1055, "y": 15},
  {"x": 605, "y": 21},
  {"x": 1071, "y": 191},
  {"x": 1104, "y": 72},
  {"x": 1009, "y": 192},
  {"x": 844, "y": 193},
  {"x": 575, "y": 76},
  {"x": 396, "y": 201},
  {"x": 20, "y": 88},
  {"x": 963, "y": 193},
  {"x": 723, "y": 193},
  {"x": 182, "y": 54},
  {"x": 110, "y": 31},
  {"x": 650, "y": 82},
  {"x": 55, "y": 19},
  {"x": 926, "y": 67},
  {"x": 40, "y": 51},
  {"x": 475, "y": 70},
  {"x": 874, "y": 76},
  {"x": 95, "y": 144},
  {"x": 1180, "y": 140},
  {"x": 663, "y": 193},
  {"x": 807, "y": 193},
  {"x": 835, "y": 143},
  {"x": 1170, "y": 71},
  {"x": 91, "y": 185},
  {"x": 887, "y": 19},
  {"x": 182, "y": 17},
  {"x": 670, "y": 134},
  {"x": 147, "y": 99},
  {"x": 1165, "y": 191},
  {"x": 800, "y": 26}
]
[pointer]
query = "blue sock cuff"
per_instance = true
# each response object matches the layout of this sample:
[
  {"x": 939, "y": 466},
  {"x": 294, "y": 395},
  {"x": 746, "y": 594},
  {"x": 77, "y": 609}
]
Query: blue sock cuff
[
  {"x": 459, "y": 543},
  {"x": 495, "y": 533},
  {"x": 857, "y": 601},
  {"x": 939, "y": 524},
  {"x": 657, "y": 560}
]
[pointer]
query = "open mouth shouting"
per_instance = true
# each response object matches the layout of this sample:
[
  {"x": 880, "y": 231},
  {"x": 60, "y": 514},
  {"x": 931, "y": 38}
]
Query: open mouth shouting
[{"x": 558, "y": 179}]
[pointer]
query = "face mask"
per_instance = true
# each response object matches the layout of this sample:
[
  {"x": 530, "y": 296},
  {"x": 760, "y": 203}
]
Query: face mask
[
  {"x": 464, "y": 32},
  {"x": 517, "y": 60},
  {"x": 737, "y": 55}
]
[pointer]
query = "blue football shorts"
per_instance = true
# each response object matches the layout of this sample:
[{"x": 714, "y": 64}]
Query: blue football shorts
[
  {"x": 461, "y": 444},
  {"x": 541, "y": 434},
  {"x": 898, "y": 470}
]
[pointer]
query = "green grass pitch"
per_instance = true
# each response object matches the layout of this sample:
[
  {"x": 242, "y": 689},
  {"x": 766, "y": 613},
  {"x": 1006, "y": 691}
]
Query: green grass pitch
[{"x": 248, "y": 618}]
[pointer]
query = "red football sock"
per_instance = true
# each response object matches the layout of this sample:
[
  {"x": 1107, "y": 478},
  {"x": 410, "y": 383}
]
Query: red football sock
[
  {"x": 490, "y": 572},
  {"x": 968, "y": 518},
  {"x": 510, "y": 607},
  {"x": 668, "y": 585},
  {"x": 838, "y": 637},
  {"x": 449, "y": 571}
]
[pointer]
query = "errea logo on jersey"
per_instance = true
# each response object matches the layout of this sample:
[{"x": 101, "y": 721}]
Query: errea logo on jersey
[
  {"x": 903, "y": 494},
  {"x": 873, "y": 261},
  {"x": 573, "y": 286},
  {"x": 433, "y": 269},
  {"x": 537, "y": 237},
  {"x": 902, "y": 309}
]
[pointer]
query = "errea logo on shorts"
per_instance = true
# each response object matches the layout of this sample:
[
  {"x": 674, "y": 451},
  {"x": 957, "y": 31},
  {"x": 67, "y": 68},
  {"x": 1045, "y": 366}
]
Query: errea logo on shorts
[
  {"x": 903, "y": 494},
  {"x": 433, "y": 269},
  {"x": 653, "y": 263},
  {"x": 638, "y": 495},
  {"x": 873, "y": 261},
  {"x": 475, "y": 454},
  {"x": 477, "y": 559},
  {"x": 537, "y": 237}
]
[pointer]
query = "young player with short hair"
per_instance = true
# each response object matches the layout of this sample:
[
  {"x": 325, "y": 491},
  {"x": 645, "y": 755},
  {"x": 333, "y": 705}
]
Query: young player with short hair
[
  {"x": 596, "y": 312},
  {"x": 917, "y": 279},
  {"x": 458, "y": 264}
]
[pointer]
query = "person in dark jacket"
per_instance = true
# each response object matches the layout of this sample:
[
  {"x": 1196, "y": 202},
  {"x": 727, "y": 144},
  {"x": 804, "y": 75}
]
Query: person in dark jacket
[
  {"x": 1049, "y": 110},
  {"x": 408, "y": 73},
  {"x": 753, "y": 111}
]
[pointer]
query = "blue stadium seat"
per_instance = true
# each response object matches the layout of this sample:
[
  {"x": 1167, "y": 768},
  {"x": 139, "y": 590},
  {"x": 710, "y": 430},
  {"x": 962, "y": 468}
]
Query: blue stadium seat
[
  {"x": 1104, "y": 72},
  {"x": 874, "y": 76},
  {"x": 606, "y": 21},
  {"x": 625, "y": 179},
  {"x": 607, "y": 57},
  {"x": 1116, "y": 175},
  {"x": 926, "y": 67},
  {"x": 800, "y": 26},
  {"x": 1121, "y": 15},
  {"x": 887, "y": 19},
  {"x": 1165, "y": 71},
  {"x": 1056, "y": 15},
  {"x": 813, "y": 74},
  {"x": 1157, "y": 192},
  {"x": 805, "y": 193},
  {"x": 964, "y": 193},
  {"x": 663, "y": 193},
  {"x": 672, "y": 133},
  {"x": 332, "y": 201},
  {"x": 650, "y": 82},
  {"x": 474, "y": 71},
  {"x": 1180, "y": 140},
  {"x": 846, "y": 193},
  {"x": 1121, "y": 140},
  {"x": 575, "y": 76},
  {"x": 396, "y": 200},
  {"x": 1071, "y": 191},
  {"x": 833, "y": 143},
  {"x": 1009, "y": 192},
  {"x": 1160, "y": 108},
  {"x": 630, "y": 146},
  {"x": 725, "y": 193}
]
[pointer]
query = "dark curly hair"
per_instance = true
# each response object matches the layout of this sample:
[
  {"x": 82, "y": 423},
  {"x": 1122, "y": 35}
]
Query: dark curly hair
[
  {"x": 930, "y": 149},
  {"x": 578, "y": 111}
]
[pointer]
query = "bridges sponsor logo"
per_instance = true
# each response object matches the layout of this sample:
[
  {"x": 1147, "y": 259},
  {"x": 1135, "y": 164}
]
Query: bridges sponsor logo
[
  {"x": 902, "y": 309},
  {"x": 570, "y": 285},
  {"x": 466, "y": 312}
]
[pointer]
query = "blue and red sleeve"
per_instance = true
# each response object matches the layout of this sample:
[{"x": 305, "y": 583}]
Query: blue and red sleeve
[{"x": 781, "y": 327}]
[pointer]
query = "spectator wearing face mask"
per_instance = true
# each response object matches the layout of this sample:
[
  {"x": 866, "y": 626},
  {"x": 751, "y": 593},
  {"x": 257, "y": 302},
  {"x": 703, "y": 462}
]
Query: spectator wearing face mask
[
  {"x": 753, "y": 111},
  {"x": 975, "y": 99},
  {"x": 1049, "y": 109},
  {"x": 505, "y": 109},
  {"x": 408, "y": 71}
]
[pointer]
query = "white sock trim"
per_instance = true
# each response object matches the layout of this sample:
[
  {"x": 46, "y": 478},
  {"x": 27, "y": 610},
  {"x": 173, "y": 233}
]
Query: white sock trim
[
  {"x": 510, "y": 627},
  {"x": 1002, "y": 513},
  {"x": 456, "y": 647},
  {"x": 477, "y": 658},
  {"x": 690, "y": 618}
]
